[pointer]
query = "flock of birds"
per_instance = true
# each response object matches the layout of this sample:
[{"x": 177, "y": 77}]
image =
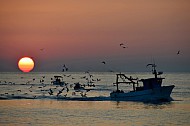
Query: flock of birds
[
  {"x": 38, "y": 87},
  {"x": 122, "y": 45}
]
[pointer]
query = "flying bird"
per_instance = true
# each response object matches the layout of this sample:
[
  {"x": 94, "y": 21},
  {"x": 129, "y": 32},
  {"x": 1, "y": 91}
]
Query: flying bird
[
  {"x": 178, "y": 52},
  {"x": 59, "y": 93},
  {"x": 65, "y": 68},
  {"x": 103, "y": 62},
  {"x": 19, "y": 90},
  {"x": 121, "y": 44}
]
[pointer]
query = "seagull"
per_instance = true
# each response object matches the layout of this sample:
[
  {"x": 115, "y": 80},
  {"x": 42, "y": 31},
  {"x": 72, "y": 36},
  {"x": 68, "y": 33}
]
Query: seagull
[
  {"x": 90, "y": 75},
  {"x": 10, "y": 83},
  {"x": 121, "y": 44},
  {"x": 19, "y": 90},
  {"x": 83, "y": 94},
  {"x": 65, "y": 68},
  {"x": 41, "y": 81},
  {"x": 59, "y": 93},
  {"x": 83, "y": 77},
  {"x": 178, "y": 52},
  {"x": 103, "y": 62},
  {"x": 51, "y": 92}
]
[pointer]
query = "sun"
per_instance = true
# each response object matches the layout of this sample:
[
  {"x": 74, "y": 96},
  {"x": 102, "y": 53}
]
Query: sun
[{"x": 26, "y": 64}]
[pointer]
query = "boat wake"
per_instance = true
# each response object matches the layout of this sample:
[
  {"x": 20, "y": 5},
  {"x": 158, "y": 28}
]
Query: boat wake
[
  {"x": 96, "y": 98},
  {"x": 11, "y": 97}
]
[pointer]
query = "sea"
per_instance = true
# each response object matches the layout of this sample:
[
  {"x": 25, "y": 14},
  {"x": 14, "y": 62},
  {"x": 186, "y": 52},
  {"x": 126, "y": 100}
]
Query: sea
[{"x": 31, "y": 99}]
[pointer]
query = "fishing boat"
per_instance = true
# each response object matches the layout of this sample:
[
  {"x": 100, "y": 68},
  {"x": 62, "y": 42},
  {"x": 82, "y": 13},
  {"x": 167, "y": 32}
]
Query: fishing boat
[
  {"x": 150, "y": 89},
  {"x": 58, "y": 80}
]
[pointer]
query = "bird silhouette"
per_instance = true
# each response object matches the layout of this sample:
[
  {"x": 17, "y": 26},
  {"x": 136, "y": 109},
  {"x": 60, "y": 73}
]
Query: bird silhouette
[
  {"x": 103, "y": 62},
  {"x": 19, "y": 90},
  {"x": 83, "y": 94},
  {"x": 59, "y": 93},
  {"x": 65, "y": 68},
  {"x": 178, "y": 52},
  {"x": 121, "y": 44}
]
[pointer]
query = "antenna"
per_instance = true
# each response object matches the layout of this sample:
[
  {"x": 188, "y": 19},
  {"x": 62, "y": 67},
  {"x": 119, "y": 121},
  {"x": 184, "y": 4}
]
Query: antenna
[{"x": 153, "y": 69}]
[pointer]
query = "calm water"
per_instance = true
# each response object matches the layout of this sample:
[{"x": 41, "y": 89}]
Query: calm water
[{"x": 46, "y": 109}]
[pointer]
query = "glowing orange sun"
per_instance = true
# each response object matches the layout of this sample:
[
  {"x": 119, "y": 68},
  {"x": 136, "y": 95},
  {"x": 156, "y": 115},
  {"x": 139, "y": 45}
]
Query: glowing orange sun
[{"x": 26, "y": 64}]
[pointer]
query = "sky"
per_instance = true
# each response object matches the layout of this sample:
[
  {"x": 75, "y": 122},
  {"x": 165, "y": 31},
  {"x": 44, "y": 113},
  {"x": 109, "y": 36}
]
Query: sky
[{"x": 83, "y": 33}]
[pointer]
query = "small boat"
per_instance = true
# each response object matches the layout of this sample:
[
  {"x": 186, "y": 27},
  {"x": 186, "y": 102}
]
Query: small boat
[
  {"x": 150, "y": 90},
  {"x": 58, "y": 80}
]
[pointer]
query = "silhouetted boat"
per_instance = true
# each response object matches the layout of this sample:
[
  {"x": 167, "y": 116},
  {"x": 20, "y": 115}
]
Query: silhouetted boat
[
  {"x": 151, "y": 88},
  {"x": 58, "y": 80}
]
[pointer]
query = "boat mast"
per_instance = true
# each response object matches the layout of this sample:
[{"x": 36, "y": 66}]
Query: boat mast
[
  {"x": 154, "y": 70},
  {"x": 117, "y": 82}
]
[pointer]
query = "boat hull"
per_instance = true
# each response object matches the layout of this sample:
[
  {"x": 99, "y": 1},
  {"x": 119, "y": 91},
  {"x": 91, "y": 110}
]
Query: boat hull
[{"x": 162, "y": 93}]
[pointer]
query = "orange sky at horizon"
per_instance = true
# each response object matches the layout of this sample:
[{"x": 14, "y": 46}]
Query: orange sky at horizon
[{"x": 87, "y": 32}]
